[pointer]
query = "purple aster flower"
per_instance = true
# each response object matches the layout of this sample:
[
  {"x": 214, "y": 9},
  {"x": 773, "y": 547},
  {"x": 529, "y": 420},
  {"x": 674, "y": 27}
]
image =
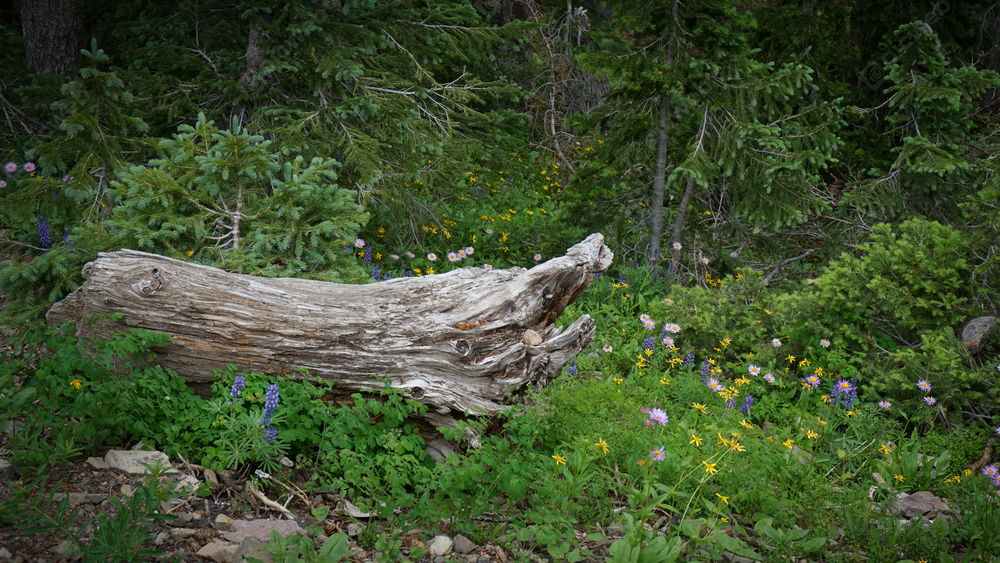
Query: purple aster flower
[
  {"x": 991, "y": 471},
  {"x": 884, "y": 404},
  {"x": 469, "y": 250},
  {"x": 538, "y": 257},
  {"x": 649, "y": 324},
  {"x": 43, "y": 232},
  {"x": 747, "y": 405},
  {"x": 487, "y": 267},
  {"x": 10, "y": 168},
  {"x": 239, "y": 384},
  {"x": 658, "y": 454},
  {"x": 359, "y": 243},
  {"x": 432, "y": 257},
  {"x": 754, "y": 370},
  {"x": 3, "y": 184},
  {"x": 29, "y": 167},
  {"x": 924, "y": 385},
  {"x": 668, "y": 342},
  {"x": 768, "y": 378},
  {"x": 453, "y": 257},
  {"x": 410, "y": 254},
  {"x": 658, "y": 416},
  {"x": 776, "y": 343},
  {"x": 714, "y": 385},
  {"x": 394, "y": 256},
  {"x": 931, "y": 401},
  {"x": 824, "y": 343},
  {"x": 812, "y": 381}
]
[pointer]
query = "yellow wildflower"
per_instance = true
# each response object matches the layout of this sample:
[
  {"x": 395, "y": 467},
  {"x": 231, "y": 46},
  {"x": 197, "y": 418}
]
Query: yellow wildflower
[
  {"x": 724, "y": 499},
  {"x": 746, "y": 424},
  {"x": 560, "y": 460},
  {"x": 701, "y": 407},
  {"x": 695, "y": 440},
  {"x": 710, "y": 468},
  {"x": 603, "y": 445},
  {"x": 899, "y": 478},
  {"x": 75, "y": 383},
  {"x": 790, "y": 358},
  {"x": 788, "y": 443},
  {"x": 811, "y": 435}
]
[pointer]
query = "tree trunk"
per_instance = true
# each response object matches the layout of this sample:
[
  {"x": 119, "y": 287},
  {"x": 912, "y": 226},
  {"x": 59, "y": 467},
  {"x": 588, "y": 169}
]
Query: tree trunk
[
  {"x": 457, "y": 341},
  {"x": 52, "y": 31},
  {"x": 659, "y": 178},
  {"x": 679, "y": 223}
]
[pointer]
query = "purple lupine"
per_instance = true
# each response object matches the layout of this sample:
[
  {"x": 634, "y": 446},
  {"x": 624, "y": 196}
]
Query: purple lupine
[
  {"x": 648, "y": 343},
  {"x": 386, "y": 276},
  {"x": 747, "y": 404},
  {"x": 689, "y": 360},
  {"x": 368, "y": 254},
  {"x": 66, "y": 241},
  {"x": 730, "y": 404},
  {"x": 43, "y": 232},
  {"x": 270, "y": 434},
  {"x": 409, "y": 273},
  {"x": 572, "y": 369},
  {"x": 706, "y": 371},
  {"x": 376, "y": 273},
  {"x": 239, "y": 384},
  {"x": 270, "y": 403}
]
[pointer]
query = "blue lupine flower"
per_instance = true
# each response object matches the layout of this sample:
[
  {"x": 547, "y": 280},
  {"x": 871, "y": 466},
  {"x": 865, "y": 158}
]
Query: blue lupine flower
[
  {"x": 730, "y": 404},
  {"x": 689, "y": 360},
  {"x": 66, "y": 241},
  {"x": 270, "y": 403},
  {"x": 43, "y": 232},
  {"x": 571, "y": 370},
  {"x": 747, "y": 404},
  {"x": 649, "y": 343},
  {"x": 239, "y": 384},
  {"x": 386, "y": 276},
  {"x": 270, "y": 434},
  {"x": 376, "y": 273},
  {"x": 706, "y": 370},
  {"x": 368, "y": 254}
]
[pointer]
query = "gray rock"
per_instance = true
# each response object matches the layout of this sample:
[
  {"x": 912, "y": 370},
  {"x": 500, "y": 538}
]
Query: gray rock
[
  {"x": 160, "y": 538},
  {"x": 218, "y": 552},
  {"x": 80, "y": 498},
  {"x": 128, "y": 490},
  {"x": 615, "y": 530},
  {"x": 912, "y": 505},
  {"x": 250, "y": 547},
  {"x": 186, "y": 484},
  {"x": 235, "y": 537},
  {"x": 6, "y": 470},
  {"x": 440, "y": 545},
  {"x": 98, "y": 463},
  {"x": 4, "y": 554},
  {"x": 211, "y": 477},
  {"x": 940, "y": 506},
  {"x": 261, "y": 529},
  {"x": 62, "y": 547},
  {"x": 130, "y": 461},
  {"x": 354, "y": 529},
  {"x": 463, "y": 544},
  {"x": 223, "y": 519},
  {"x": 183, "y": 533}
]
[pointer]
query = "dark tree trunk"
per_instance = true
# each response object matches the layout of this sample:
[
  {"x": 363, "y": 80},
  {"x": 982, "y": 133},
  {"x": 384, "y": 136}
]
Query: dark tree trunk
[
  {"x": 52, "y": 35},
  {"x": 659, "y": 178}
]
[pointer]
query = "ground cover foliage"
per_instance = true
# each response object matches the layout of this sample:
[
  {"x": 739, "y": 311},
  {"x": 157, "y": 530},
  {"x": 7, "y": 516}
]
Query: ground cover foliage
[{"x": 827, "y": 201}]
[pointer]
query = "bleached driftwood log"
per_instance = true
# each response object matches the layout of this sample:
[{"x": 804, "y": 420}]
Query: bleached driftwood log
[{"x": 454, "y": 341}]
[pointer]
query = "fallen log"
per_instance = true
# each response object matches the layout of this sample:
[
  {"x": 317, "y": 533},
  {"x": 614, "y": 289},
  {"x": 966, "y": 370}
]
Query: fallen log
[{"x": 458, "y": 341}]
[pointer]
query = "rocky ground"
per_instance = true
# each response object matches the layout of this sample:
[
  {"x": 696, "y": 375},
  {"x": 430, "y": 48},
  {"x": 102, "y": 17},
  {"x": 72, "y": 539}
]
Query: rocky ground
[{"x": 231, "y": 522}]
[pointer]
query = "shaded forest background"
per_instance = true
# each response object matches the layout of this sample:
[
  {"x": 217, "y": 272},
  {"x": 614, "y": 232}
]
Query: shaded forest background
[{"x": 267, "y": 136}]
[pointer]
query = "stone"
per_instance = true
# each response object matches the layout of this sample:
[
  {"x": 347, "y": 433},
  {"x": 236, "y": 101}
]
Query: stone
[
  {"x": 463, "y": 544},
  {"x": 184, "y": 533},
  {"x": 912, "y": 505},
  {"x": 62, "y": 547},
  {"x": 6, "y": 470},
  {"x": 235, "y": 537},
  {"x": 440, "y": 545},
  {"x": 131, "y": 461},
  {"x": 218, "y": 552},
  {"x": 211, "y": 477},
  {"x": 250, "y": 547},
  {"x": 353, "y": 511},
  {"x": 80, "y": 498},
  {"x": 98, "y": 463},
  {"x": 974, "y": 333},
  {"x": 261, "y": 529},
  {"x": 4, "y": 554},
  {"x": 354, "y": 529},
  {"x": 186, "y": 484},
  {"x": 160, "y": 538},
  {"x": 223, "y": 519},
  {"x": 532, "y": 338},
  {"x": 287, "y": 462},
  {"x": 128, "y": 490},
  {"x": 940, "y": 506}
]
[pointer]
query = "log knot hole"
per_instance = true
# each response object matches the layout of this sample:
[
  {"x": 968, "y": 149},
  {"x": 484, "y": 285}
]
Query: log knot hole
[
  {"x": 147, "y": 282},
  {"x": 462, "y": 346}
]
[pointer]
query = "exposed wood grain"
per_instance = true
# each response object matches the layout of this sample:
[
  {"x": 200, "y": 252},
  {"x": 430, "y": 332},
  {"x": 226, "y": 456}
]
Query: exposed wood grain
[{"x": 453, "y": 341}]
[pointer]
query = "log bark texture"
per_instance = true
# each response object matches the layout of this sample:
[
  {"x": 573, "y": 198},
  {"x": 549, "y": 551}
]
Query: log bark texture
[{"x": 456, "y": 341}]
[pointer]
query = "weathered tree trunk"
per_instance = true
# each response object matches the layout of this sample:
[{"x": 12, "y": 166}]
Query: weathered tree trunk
[
  {"x": 455, "y": 341},
  {"x": 52, "y": 31}
]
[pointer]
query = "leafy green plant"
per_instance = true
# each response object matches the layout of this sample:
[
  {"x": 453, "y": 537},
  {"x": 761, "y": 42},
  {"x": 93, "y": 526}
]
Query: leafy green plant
[{"x": 299, "y": 548}]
